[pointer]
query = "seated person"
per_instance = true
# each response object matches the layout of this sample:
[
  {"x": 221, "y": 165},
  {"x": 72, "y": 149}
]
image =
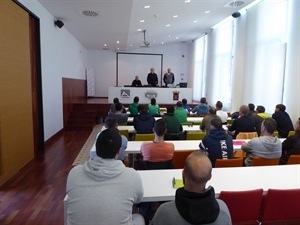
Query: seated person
[
  {"x": 284, "y": 122},
  {"x": 251, "y": 109},
  {"x": 259, "y": 117},
  {"x": 180, "y": 112},
  {"x": 144, "y": 122},
  {"x": 202, "y": 108},
  {"x": 118, "y": 115},
  {"x": 185, "y": 106},
  {"x": 291, "y": 145},
  {"x": 194, "y": 203},
  {"x": 112, "y": 108},
  {"x": 244, "y": 123},
  {"x": 217, "y": 143},
  {"x": 158, "y": 150},
  {"x": 173, "y": 123},
  {"x": 154, "y": 108},
  {"x": 205, "y": 125},
  {"x": 111, "y": 122},
  {"x": 134, "y": 107},
  {"x": 136, "y": 82},
  {"x": 222, "y": 114},
  {"x": 266, "y": 146},
  {"x": 104, "y": 186}
]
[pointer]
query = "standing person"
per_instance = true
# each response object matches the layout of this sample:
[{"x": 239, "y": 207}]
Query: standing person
[
  {"x": 206, "y": 122},
  {"x": 134, "y": 107},
  {"x": 103, "y": 190},
  {"x": 152, "y": 78},
  {"x": 266, "y": 146},
  {"x": 194, "y": 203},
  {"x": 136, "y": 82},
  {"x": 154, "y": 108},
  {"x": 217, "y": 143},
  {"x": 222, "y": 114},
  {"x": 291, "y": 145},
  {"x": 284, "y": 122},
  {"x": 169, "y": 77},
  {"x": 202, "y": 108},
  {"x": 180, "y": 112},
  {"x": 144, "y": 122},
  {"x": 185, "y": 106}
]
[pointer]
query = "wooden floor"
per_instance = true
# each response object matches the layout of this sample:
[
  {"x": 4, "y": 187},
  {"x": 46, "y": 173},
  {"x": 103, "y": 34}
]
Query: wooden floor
[{"x": 35, "y": 195}]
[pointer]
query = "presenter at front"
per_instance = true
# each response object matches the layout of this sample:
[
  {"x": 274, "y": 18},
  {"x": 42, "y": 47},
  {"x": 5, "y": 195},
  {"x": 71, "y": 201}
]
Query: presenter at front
[
  {"x": 136, "y": 82},
  {"x": 169, "y": 77},
  {"x": 152, "y": 78}
]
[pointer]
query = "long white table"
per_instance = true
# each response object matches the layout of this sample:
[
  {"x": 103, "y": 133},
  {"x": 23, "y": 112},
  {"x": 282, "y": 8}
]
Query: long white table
[
  {"x": 158, "y": 183},
  {"x": 162, "y": 95},
  {"x": 197, "y": 120}
]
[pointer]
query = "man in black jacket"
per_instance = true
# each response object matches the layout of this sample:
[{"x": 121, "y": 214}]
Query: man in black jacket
[{"x": 284, "y": 122}]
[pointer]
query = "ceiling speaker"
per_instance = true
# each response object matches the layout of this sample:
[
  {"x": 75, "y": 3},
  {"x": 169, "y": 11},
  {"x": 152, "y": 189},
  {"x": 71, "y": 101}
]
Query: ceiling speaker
[
  {"x": 236, "y": 15},
  {"x": 59, "y": 23}
]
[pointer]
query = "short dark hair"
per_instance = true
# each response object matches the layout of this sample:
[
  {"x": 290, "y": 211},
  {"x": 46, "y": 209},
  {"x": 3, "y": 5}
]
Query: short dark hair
[
  {"x": 217, "y": 123},
  {"x": 136, "y": 99},
  {"x": 184, "y": 101},
  {"x": 110, "y": 122},
  {"x": 153, "y": 101},
  {"x": 118, "y": 106},
  {"x": 143, "y": 109},
  {"x": 179, "y": 104},
  {"x": 270, "y": 125},
  {"x": 281, "y": 107},
  {"x": 108, "y": 143},
  {"x": 251, "y": 106},
  {"x": 203, "y": 100},
  {"x": 160, "y": 127},
  {"x": 260, "y": 109},
  {"x": 116, "y": 100},
  {"x": 170, "y": 109},
  {"x": 212, "y": 110},
  {"x": 219, "y": 105}
]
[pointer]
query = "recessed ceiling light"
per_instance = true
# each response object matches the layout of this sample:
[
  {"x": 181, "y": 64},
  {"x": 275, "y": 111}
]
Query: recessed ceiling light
[
  {"x": 175, "y": 16},
  {"x": 162, "y": 43},
  {"x": 130, "y": 45},
  {"x": 118, "y": 42},
  {"x": 176, "y": 37},
  {"x": 118, "y": 48},
  {"x": 187, "y": 1},
  {"x": 207, "y": 11},
  {"x": 147, "y": 6},
  {"x": 195, "y": 21},
  {"x": 142, "y": 21},
  {"x": 139, "y": 29},
  {"x": 104, "y": 44},
  {"x": 169, "y": 35},
  {"x": 168, "y": 25},
  {"x": 154, "y": 41}
]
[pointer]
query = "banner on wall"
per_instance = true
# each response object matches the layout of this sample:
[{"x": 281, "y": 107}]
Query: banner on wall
[{"x": 90, "y": 80}]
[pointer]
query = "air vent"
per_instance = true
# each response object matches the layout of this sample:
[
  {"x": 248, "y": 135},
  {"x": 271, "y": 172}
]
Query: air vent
[
  {"x": 234, "y": 4},
  {"x": 90, "y": 13}
]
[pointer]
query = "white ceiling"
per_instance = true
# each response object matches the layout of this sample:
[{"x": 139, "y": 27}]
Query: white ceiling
[{"x": 119, "y": 20}]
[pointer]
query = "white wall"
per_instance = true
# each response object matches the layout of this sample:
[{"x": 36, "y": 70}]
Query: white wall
[
  {"x": 175, "y": 56},
  {"x": 62, "y": 56}
]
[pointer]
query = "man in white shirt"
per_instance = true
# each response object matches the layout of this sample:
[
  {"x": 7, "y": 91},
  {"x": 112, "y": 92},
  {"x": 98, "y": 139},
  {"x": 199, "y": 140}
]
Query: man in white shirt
[{"x": 222, "y": 114}]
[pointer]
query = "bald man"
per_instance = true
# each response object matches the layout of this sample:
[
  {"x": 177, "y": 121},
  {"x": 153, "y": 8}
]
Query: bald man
[{"x": 194, "y": 203}]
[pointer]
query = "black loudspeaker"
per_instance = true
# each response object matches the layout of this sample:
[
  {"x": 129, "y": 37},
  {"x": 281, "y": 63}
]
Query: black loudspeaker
[
  {"x": 59, "y": 23},
  {"x": 236, "y": 15}
]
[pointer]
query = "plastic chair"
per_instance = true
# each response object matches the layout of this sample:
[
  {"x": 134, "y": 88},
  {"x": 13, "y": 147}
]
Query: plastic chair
[
  {"x": 243, "y": 205},
  {"x": 195, "y": 135},
  {"x": 179, "y": 158},
  {"x": 291, "y": 133},
  {"x": 144, "y": 137},
  {"x": 293, "y": 159},
  {"x": 246, "y": 135},
  {"x": 239, "y": 154},
  {"x": 281, "y": 205},
  {"x": 125, "y": 133},
  {"x": 257, "y": 161},
  {"x": 238, "y": 162},
  {"x": 122, "y": 124}
]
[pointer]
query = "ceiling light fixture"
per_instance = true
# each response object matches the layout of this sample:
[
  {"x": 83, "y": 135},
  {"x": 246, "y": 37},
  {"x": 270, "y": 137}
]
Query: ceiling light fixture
[
  {"x": 142, "y": 21},
  {"x": 139, "y": 29},
  {"x": 175, "y": 16},
  {"x": 168, "y": 25},
  {"x": 147, "y": 6},
  {"x": 195, "y": 21},
  {"x": 207, "y": 11},
  {"x": 118, "y": 42},
  {"x": 187, "y": 1}
]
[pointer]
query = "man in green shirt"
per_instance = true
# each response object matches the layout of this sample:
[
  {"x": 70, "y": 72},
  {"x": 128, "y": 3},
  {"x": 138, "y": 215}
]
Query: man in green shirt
[{"x": 180, "y": 112}]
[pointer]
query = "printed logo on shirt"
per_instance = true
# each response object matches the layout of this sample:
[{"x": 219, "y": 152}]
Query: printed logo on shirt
[{"x": 224, "y": 149}]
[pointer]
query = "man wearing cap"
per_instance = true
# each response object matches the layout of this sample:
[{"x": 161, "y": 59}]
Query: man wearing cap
[{"x": 103, "y": 190}]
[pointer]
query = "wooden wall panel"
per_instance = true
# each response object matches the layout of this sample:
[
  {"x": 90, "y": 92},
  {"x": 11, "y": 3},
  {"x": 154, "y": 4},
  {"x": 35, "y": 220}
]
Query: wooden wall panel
[
  {"x": 74, "y": 91},
  {"x": 16, "y": 119}
]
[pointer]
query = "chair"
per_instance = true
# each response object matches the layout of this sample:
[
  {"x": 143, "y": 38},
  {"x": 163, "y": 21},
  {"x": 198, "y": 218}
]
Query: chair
[
  {"x": 175, "y": 136},
  {"x": 291, "y": 133},
  {"x": 293, "y": 159},
  {"x": 258, "y": 161},
  {"x": 125, "y": 133},
  {"x": 246, "y": 135},
  {"x": 179, "y": 158},
  {"x": 144, "y": 137},
  {"x": 195, "y": 135},
  {"x": 243, "y": 205},
  {"x": 239, "y": 154},
  {"x": 238, "y": 162},
  {"x": 281, "y": 205},
  {"x": 147, "y": 165}
]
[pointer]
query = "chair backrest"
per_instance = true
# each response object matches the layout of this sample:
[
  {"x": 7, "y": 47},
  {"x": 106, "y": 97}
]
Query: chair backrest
[
  {"x": 294, "y": 159},
  {"x": 125, "y": 133},
  {"x": 195, "y": 135},
  {"x": 243, "y": 205},
  {"x": 122, "y": 124},
  {"x": 147, "y": 165},
  {"x": 291, "y": 133},
  {"x": 175, "y": 136},
  {"x": 144, "y": 137},
  {"x": 238, "y": 162},
  {"x": 281, "y": 205},
  {"x": 246, "y": 135},
  {"x": 258, "y": 161},
  {"x": 179, "y": 158},
  {"x": 239, "y": 154}
]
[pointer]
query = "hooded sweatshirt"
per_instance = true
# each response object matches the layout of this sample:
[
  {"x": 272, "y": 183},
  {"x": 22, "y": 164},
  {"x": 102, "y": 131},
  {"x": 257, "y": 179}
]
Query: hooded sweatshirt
[
  {"x": 201, "y": 109},
  {"x": 102, "y": 191},
  {"x": 193, "y": 208},
  {"x": 268, "y": 147},
  {"x": 144, "y": 123},
  {"x": 218, "y": 144}
]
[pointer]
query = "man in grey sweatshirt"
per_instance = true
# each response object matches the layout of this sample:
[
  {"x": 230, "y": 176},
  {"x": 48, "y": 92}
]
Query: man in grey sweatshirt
[{"x": 266, "y": 146}]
